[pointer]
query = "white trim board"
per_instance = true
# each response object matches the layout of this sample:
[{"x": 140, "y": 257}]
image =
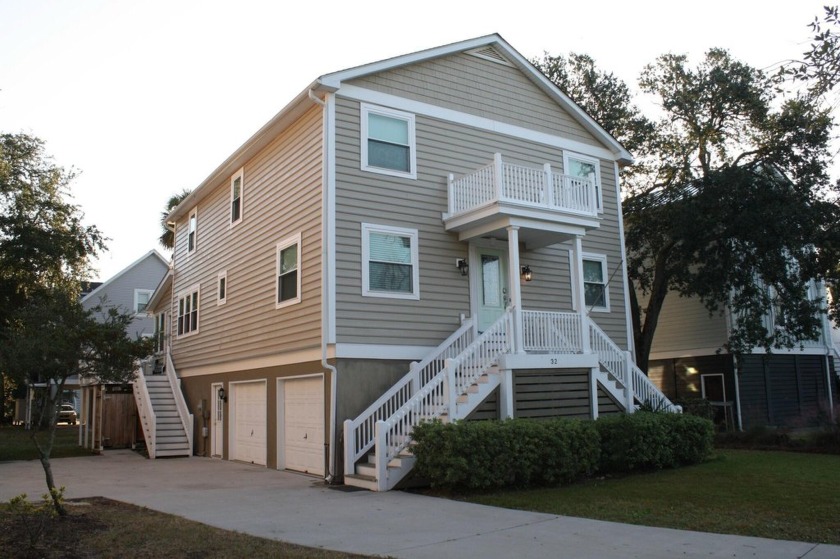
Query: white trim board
[{"x": 387, "y": 352}]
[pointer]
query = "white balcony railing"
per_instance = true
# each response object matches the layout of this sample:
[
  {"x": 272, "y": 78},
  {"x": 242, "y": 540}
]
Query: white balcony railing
[{"x": 541, "y": 188}]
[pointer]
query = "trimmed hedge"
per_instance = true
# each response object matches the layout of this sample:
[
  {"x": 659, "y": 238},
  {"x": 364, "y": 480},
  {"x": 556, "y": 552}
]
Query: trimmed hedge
[
  {"x": 521, "y": 453},
  {"x": 518, "y": 452},
  {"x": 653, "y": 441}
]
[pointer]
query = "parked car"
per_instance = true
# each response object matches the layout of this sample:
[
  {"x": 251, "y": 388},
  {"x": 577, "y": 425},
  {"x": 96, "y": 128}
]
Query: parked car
[{"x": 67, "y": 414}]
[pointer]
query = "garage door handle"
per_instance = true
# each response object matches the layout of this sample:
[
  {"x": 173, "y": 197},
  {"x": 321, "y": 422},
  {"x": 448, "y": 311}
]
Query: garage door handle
[{"x": 305, "y": 436}]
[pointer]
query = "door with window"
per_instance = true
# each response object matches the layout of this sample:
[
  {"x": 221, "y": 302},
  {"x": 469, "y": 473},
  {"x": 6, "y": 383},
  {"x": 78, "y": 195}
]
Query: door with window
[
  {"x": 217, "y": 423},
  {"x": 492, "y": 286}
]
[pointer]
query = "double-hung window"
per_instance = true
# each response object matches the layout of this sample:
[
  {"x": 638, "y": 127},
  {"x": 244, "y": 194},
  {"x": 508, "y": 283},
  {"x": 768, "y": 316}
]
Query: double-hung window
[
  {"x": 237, "y": 191},
  {"x": 188, "y": 311},
  {"x": 387, "y": 143},
  {"x": 192, "y": 231},
  {"x": 390, "y": 266},
  {"x": 288, "y": 271},
  {"x": 141, "y": 300},
  {"x": 595, "y": 293},
  {"x": 584, "y": 167}
]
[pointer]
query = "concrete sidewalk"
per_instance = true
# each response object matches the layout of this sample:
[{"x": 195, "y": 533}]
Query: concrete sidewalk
[{"x": 301, "y": 510}]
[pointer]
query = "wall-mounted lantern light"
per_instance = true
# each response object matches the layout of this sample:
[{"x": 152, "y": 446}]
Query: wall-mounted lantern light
[
  {"x": 222, "y": 395},
  {"x": 463, "y": 267},
  {"x": 527, "y": 275}
]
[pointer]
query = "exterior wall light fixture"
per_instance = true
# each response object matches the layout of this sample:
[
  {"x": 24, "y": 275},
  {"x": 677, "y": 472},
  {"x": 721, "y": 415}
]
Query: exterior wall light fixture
[{"x": 527, "y": 274}]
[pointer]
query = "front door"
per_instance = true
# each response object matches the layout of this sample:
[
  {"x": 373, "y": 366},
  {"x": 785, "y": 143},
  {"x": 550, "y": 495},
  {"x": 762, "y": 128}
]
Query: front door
[
  {"x": 492, "y": 289},
  {"x": 217, "y": 427}
]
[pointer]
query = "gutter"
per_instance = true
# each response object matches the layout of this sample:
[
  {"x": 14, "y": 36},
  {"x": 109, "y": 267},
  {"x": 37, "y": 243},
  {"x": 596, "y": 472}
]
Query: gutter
[{"x": 325, "y": 315}]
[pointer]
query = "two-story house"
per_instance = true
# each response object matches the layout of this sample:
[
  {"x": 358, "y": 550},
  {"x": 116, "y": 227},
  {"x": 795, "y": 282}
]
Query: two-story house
[
  {"x": 436, "y": 235},
  {"x": 788, "y": 388},
  {"x": 107, "y": 410}
]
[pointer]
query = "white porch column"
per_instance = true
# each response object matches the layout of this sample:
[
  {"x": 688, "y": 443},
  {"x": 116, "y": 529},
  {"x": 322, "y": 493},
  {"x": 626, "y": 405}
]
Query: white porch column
[
  {"x": 506, "y": 394},
  {"x": 593, "y": 392},
  {"x": 578, "y": 293},
  {"x": 515, "y": 288}
]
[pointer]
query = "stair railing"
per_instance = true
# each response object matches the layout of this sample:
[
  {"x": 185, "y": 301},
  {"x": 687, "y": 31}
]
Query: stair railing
[
  {"x": 183, "y": 412},
  {"x": 440, "y": 394},
  {"x": 619, "y": 364},
  {"x": 148, "y": 420},
  {"x": 360, "y": 433}
]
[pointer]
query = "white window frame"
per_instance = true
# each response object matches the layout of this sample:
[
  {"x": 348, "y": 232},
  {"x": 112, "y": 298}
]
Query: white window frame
[
  {"x": 282, "y": 245},
  {"x": 137, "y": 292},
  {"x": 367, "y": 228},
  {"x": 599, "y": 197},
  {"x": 366, "y": 110},
  {"x": 241, "y": 176},
  {"x": 602, "y": 259},
  {"x": 192, "y": 232},
  {"x": 195, "y": 289},
  {"x": 221, "y": 292}
]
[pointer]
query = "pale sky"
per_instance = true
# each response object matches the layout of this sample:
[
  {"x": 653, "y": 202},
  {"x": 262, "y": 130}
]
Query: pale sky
[{"x": 148, "y": 97}]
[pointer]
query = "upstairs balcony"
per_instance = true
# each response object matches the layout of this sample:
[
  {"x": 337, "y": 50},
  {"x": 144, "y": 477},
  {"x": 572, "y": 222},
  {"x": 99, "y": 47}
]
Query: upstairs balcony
[{"x": 537, "y": 199}]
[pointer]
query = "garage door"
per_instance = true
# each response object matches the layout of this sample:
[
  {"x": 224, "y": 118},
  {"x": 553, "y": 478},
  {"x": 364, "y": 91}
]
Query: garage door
[
  {"x": 303, "y": 428},
  {"x": 249, "y": 422}
]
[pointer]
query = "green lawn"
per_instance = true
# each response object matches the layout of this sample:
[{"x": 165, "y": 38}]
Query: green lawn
[
  {"x": 15, "y": 443},
  {"x": 781, "y": 495}
]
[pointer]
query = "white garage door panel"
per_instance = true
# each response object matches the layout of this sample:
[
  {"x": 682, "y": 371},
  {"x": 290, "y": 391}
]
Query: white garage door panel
[
  {"x": 304, "y": 425},
  {"x": 249, "y": 423}
]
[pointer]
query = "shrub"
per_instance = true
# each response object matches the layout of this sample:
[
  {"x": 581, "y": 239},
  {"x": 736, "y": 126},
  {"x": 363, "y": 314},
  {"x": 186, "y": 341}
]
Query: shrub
[
  {"x": 520, "y": 453},
  {"x": 653, "y": 441}
]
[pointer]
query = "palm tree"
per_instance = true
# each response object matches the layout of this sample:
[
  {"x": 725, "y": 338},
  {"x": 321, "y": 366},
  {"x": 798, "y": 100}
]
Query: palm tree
[{"x": 167, "y": 237}]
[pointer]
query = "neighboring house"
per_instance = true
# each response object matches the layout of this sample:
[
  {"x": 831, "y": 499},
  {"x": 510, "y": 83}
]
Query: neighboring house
[
  {"x": 108, "y": 415},
  {"x": 436, "y": 235},
  {"x": 787, "y": 388}
]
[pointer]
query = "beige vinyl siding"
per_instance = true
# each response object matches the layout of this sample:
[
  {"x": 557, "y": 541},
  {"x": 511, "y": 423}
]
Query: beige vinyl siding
[
  {"x": 685, "y": 326},
  {"x": 443, "y": 148},
  {"x": 476, "y": 86},
  {"x": 282, "y": 196}
]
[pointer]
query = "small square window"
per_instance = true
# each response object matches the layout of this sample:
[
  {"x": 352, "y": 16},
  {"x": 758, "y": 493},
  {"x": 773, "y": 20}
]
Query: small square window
[
  {"x": 388, "y": 143},
  {"x": 237, "y": 191},
  {"x": 390, "y": 262},
  {"x": 288, "y": 272}
]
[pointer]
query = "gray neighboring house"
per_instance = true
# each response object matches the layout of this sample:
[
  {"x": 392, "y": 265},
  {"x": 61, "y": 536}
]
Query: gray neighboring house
[
  {"x": 130, "y": 290},
  {"x": 107, "y": 412},
  {"x": 436, "y": 235}
]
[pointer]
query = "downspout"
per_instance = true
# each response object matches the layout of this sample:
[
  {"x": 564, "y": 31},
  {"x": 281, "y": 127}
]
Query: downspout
[{"x": 325, "y": 315}]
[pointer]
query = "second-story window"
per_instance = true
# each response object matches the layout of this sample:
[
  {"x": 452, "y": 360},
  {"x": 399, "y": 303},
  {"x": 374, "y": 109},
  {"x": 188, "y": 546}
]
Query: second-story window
[
  {"x": 288, "y": 271},
  {"x": 188, "y": 312},
  {"x": 237, "y": 190},
  {"x": 192, "y": 231},
  {"x": 141, "y": 300},
  {"x": 221, "y": 284},
  {"x": 388, "y": 144}
]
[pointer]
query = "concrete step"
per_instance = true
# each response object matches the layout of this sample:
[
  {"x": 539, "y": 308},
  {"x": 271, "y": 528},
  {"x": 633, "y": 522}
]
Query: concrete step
[{"x": 363, "y": 481}]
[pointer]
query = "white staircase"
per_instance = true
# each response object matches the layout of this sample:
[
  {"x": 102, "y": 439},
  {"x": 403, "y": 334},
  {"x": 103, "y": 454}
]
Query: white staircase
[
  {"x": 167, "y": 424},
  {"x": 458, "y": 375}
]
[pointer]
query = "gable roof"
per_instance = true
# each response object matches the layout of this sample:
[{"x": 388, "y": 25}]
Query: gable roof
[
  {"x": 101, "y": 287},
  {"x": 330, "y": 83}
]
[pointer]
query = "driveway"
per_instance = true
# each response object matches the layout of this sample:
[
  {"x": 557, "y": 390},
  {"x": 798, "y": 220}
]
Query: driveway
[{"x": 301, "y": 510}]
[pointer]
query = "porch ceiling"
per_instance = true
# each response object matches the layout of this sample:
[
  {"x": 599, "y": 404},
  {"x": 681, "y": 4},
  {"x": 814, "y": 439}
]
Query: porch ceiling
[{"x": 534, "y": 233}]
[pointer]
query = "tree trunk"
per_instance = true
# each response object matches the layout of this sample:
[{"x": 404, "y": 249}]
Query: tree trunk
[
  {"x": 49, "y": 410},
  {"x": 658, "y": 291}
]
